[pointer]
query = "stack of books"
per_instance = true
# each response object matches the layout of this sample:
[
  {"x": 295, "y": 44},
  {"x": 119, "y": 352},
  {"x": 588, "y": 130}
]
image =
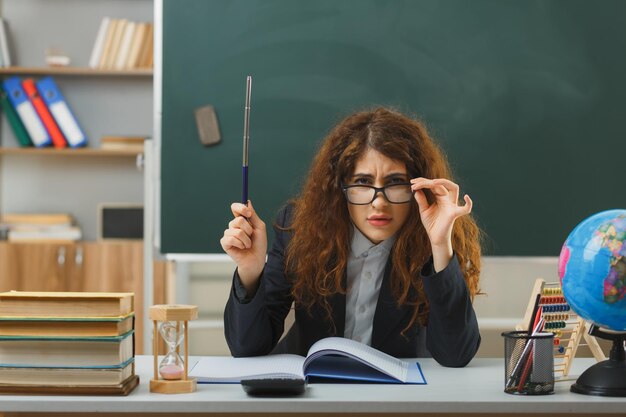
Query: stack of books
[
  {"x": 121, "y": 45},
  {"x": 47, "y": 228},
  {"x": 67, "y": 342},
  {"x": 39, "y": 114}
]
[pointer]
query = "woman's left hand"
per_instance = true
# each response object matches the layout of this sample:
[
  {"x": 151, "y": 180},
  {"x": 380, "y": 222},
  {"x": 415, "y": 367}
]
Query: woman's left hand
[{"x": 438, "y": 217}]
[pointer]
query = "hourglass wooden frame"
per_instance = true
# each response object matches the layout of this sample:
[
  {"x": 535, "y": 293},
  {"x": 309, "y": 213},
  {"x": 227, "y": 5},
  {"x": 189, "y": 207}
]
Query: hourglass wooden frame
[{"x": 178, "y": 314}]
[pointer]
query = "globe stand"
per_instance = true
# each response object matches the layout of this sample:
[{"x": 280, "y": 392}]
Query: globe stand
[{"x": 606, "y": 378}]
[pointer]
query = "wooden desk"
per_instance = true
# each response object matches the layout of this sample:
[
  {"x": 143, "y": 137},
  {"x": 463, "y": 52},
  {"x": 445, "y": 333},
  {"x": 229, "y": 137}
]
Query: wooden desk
[{"x": 474, "y": 390}]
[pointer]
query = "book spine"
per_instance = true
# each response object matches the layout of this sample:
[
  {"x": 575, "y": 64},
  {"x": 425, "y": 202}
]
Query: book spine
[
  {"x": 111, "y": 58},
  {"x": 1, "y": 58},
  {"x": 146, "y": 47},
  {"x": 26, "y": 111},
  {"x": 122, "y": 56},
  {"x": 135, "y": 47},
  {"x": 108, "y": 41},
  {"x": 4, "y": 45},
  {"x": 98, "y": 46},
  {"x": 61, "y": 112},
  {"x": 40, "y": 218},
  {"x": 66, "y": 353},
  {"x": 48, "y": 121},
  {"x": 44, "y": 306}
]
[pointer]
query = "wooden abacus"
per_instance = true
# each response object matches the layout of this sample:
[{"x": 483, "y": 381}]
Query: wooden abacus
[{"x": 560, "y": 319}]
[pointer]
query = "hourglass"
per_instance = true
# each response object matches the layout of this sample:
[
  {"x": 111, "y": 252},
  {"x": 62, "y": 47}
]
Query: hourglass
[{"x": 170, "y": 323}]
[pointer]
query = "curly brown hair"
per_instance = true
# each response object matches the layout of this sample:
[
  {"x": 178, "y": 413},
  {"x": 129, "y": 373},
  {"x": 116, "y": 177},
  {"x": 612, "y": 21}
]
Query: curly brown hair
[{"x": 317, "y": 254}]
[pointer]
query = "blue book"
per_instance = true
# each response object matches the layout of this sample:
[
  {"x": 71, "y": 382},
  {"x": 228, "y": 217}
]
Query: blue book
[
  {"x": 61, "y": 112},
  {"x": 26, "y": 111}
]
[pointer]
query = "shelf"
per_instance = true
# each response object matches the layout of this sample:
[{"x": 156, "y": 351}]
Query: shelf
[
  {"x": 69, "y": 152},
  {"x": 141, "y": 72}
]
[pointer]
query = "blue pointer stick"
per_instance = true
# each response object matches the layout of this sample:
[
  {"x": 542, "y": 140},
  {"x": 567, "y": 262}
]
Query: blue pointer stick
[{"x": 246, "y": 140}]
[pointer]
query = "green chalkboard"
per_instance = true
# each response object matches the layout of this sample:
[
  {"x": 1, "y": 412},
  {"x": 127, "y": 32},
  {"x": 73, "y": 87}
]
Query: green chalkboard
[{"x": 526, "y": 97}]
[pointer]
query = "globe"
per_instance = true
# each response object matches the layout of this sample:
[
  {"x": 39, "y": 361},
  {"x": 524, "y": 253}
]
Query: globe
[{"x": 592, "y": 269}]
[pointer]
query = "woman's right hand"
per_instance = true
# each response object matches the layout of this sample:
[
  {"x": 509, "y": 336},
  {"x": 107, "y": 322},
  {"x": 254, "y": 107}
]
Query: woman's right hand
[{"x": 245, "y": 241}]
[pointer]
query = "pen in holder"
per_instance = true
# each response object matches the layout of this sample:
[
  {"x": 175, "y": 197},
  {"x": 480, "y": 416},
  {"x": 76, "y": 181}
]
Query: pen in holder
[{"x": 528, "y": 363}]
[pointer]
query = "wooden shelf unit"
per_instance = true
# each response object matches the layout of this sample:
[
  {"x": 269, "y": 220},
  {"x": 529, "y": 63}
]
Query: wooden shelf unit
[
  {"x": 105, "y": 102},
  {"x": 59, "y": 71},
  {"x": 76, "y": 152}
]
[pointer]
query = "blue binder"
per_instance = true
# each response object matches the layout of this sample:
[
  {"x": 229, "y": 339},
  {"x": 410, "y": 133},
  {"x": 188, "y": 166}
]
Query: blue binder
[
  {"x": 61, "y": 112},
  {"x": 26, "y": 111}
]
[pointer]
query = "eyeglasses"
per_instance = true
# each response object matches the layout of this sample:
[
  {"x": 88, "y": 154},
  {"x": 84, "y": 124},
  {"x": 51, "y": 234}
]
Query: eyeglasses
[{"x": 399, "y": 193}]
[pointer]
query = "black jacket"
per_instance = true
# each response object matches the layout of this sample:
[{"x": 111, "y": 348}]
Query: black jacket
[{"x": 253, "y": 327}]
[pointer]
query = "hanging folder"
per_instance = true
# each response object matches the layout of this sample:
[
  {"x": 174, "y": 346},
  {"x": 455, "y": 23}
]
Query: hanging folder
[
  {"x": 14, "y": 120},
  {"x": 62, "y": 114},
  {"x": 24, "y": 108},
  {"x": 44, "y": 114}
]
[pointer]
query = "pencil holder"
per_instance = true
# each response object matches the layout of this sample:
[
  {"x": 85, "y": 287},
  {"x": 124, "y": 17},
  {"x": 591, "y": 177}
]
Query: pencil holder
[{"x": 528, "y": 363}]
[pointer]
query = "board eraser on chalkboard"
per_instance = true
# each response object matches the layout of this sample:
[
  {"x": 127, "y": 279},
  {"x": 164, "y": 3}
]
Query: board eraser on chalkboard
[{"x": 208, "y": 128}]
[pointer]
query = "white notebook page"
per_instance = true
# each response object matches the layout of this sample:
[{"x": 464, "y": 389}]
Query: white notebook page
[
  {"x": 227, "y": 369},
  {"x": 375, "y": 358}
]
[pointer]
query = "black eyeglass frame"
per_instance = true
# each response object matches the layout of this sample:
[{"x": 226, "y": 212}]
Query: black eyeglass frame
[{"x": 376, "y": 191}]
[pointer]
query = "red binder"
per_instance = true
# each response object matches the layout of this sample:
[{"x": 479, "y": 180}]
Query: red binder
[{"x": 58, "y": 140}]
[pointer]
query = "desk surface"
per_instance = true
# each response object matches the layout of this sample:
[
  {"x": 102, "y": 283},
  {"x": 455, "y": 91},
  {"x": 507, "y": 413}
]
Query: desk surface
[{"x": 474, "y": 389}]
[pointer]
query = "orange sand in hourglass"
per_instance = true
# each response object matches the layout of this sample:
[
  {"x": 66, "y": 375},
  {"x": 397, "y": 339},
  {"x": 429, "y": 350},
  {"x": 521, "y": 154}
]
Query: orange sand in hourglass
[
  {"x": 172, "y": 366},
  {"x": 172, "y": 372}
]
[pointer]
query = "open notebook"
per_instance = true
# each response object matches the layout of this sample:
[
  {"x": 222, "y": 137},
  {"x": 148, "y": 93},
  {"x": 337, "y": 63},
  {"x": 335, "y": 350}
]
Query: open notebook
[{"x": 332, "y": 357}]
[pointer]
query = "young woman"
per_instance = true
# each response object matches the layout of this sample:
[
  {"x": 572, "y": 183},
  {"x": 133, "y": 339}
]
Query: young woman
[{"x": 376, "y": 248}]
